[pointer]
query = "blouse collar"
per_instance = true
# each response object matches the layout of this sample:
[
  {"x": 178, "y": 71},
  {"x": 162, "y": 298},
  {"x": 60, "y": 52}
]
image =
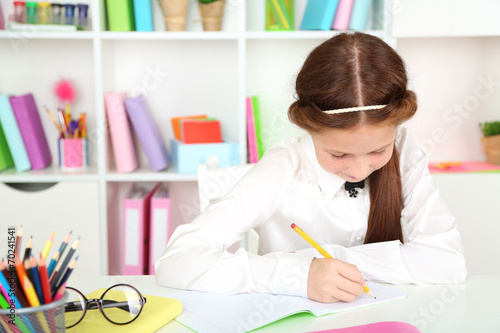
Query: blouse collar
[{"x": 329, "y": 183}]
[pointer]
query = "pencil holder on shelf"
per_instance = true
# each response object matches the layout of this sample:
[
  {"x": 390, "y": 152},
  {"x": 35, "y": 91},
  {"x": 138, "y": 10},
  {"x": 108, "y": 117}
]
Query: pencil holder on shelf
[
  {"x": 44, "y": 318},
  {"x": 73, "y": 154},
  {"x": 280, "y": 15}
]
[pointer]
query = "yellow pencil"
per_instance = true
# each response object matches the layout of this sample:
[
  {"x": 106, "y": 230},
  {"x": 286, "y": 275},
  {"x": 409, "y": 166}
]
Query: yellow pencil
[
  {"x": 47, "y": 246},
  {"x": 322, "y": 251}
]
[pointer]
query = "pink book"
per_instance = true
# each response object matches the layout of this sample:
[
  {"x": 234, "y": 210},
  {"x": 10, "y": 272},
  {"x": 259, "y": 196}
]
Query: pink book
[
  {"x": 122, "y": 140},
  {"x": 135, "y": 245},
  {"x": 342, "y": 15},
  {"x": 380, "y": 327},
  {"x": 160, "y": 226},
  {"x": 30, "y": 127},
  {"x": 253, "y": 155}
]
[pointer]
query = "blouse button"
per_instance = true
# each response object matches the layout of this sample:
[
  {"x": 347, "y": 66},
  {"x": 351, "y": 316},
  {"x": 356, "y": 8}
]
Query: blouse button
[{"x": 359, "y": 238}]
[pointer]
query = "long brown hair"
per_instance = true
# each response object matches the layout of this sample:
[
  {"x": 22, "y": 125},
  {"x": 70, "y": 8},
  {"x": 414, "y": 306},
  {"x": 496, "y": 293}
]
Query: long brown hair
[{"x": 357, "y": 69}]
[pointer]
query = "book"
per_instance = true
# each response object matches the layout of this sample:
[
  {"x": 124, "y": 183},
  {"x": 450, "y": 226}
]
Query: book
[
  {"x": 176, "y": 123},
  {"x": 6, "y": 160},
  {"x": 124, "y": 150},
  {"x": 342, "y": 15},
  {"x": 209, "y": 312},
  {"x": 143, "y": 15},
  {"x": 120, "y": 14},
  {"x": 379, "y": 327},
  {"x": 258, "y": 126},
  {"x": 31, "y": 129},
  {"x": 280, "y": 15},
  {"x": 157, "y": 312},
  {"x": 135, "y": 245},
  {"x": 359, "y": 14},
  {"x": 159, "y": 225},
  {"x": 147, "y": 131},
  {"x": 13, "y": 135},
  {"x": 319, "y": 15},
  {"x": 201, "y": 131},
  {"x": 253, "y": 154}
]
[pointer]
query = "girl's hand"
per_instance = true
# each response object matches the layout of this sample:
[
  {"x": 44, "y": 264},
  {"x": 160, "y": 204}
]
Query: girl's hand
[{"x": 332, "y": 280}]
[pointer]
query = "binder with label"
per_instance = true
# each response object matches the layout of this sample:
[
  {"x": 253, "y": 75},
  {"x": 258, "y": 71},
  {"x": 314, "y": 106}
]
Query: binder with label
[
  {"x": 160, "y": 226},
  {"x": 135, "y": 245}
]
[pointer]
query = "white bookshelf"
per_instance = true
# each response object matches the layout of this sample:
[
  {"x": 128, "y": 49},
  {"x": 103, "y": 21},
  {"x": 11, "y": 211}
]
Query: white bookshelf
[{"x": 201, "y": 72}]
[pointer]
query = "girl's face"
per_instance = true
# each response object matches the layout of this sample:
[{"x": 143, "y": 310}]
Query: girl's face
[{"x": 353, "y": 154}]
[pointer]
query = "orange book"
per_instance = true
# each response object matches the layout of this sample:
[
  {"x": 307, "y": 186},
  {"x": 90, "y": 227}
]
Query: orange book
[
  {"x": 201, "y": 131},
  {"x": 176, "y": 124}
]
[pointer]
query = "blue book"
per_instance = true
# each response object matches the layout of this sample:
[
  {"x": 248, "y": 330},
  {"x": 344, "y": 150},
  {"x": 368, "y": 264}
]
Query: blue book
[
  {"x": 143, "y": 15},
  {"x": 319, "y": 15},
  {"x": 359, "y": 15},
  {"x": 13, "y": 135}
]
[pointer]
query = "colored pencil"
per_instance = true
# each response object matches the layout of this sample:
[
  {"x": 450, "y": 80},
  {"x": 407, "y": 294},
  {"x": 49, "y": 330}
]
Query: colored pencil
[
  {"x": 19, "y": 294},
  {"x": 68, "y": 272},
  {"x": 29, "y": 289},
  {"x": 27, "y": 251},
  {"x": 19, "y": 240},
  {"x": 4, "y": 304},
  {"x": 62, "y": 265},
  {"x": 322, "y": 251},
  {"x": 27, "y": 268},
  {"x": 64, "y": 244},
  {"x": 53, "y": 263},
  {"x": 60, "y": 292},
  {"x": 36, "y": 280},
  {"x": 47, "y": 246},
  {"x": 5, "y": 286},
  {"x": 44, "y": 281}
]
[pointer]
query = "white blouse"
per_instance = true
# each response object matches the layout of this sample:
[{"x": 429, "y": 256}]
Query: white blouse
[{"x": 289, "y": 186}]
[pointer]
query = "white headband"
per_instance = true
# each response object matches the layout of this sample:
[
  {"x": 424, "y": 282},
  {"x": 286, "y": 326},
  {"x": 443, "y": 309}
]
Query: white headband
[{"x": 358, "y": 108}]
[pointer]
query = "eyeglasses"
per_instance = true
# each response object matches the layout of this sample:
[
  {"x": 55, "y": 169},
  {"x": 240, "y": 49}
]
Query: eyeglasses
[{"x": 120, "y": 304}]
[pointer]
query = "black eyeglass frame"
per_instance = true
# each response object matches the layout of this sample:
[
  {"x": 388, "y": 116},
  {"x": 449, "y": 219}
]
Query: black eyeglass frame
[{"x": 91, "y": 304}]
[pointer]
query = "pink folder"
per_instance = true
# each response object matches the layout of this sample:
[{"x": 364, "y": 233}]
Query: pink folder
[
  {"x": 253, "y": 155},
  {"x": 381, "y": 327},
  {"x": 135, "y": 245},
  {"x": 342, "y": 15},
  {"x": 122, "y": 140},
  {"x": 160, "y": 226}
]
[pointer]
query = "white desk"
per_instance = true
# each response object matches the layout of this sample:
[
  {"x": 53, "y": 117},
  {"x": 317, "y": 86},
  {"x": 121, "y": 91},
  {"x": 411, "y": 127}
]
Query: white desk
[{"x": 470, "y": 307}]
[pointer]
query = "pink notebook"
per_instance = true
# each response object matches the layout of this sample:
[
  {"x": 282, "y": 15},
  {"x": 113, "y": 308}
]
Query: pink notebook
[
  {"x": 382, "y": 327},
  {"x": 253, "y": 154},
  {"x": 122, "y": 140}
]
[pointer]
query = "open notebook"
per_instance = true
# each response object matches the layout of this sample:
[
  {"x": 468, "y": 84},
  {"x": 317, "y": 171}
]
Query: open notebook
[{"x": 207, "y": 312}]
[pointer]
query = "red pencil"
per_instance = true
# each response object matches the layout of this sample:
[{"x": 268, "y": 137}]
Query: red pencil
[
  {"x": 60, "y": 292},
  {"x": 44, "y": 279}
]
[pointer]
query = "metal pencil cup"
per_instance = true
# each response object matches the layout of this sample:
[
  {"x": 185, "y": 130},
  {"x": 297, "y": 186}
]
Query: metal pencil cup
[{"x": 44, "y": 318}]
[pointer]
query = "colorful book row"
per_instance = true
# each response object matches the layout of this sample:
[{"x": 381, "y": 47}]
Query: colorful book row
[
  {"x": 23, "y": 143},
  {"x": 121, "y": 112},
  {"x": 255, "y": 144},
  {"x": 336, "y": 15},
  {"x": 129, "y": 15}
]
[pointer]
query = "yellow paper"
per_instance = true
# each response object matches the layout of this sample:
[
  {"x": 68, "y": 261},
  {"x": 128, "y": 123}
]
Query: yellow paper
[{"x": 157, "y": 312}]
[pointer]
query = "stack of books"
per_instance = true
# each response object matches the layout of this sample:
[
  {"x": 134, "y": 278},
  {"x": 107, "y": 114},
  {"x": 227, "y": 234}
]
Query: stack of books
[
  {"x": 255, "y": 144},
  {"x": 336, "y": 15},
  {"x": 129, "y": 15},
  {"x": 23, "y": 143}
]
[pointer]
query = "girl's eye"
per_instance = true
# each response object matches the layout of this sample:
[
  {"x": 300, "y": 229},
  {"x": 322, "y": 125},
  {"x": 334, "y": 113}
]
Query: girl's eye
[
  {"x": 338, "y": 156},
  {"x": 378, "y": 152}
]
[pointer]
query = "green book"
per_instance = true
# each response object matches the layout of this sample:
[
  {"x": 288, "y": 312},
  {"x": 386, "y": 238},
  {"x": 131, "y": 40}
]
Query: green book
[
  {"x": 258, "y": 126},
  {"x": 6, "y": 160},
  {"x": 120, "y": 15}
]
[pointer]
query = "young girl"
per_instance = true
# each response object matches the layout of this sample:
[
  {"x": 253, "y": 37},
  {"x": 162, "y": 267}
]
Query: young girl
[{"x": 356, "y": 183}]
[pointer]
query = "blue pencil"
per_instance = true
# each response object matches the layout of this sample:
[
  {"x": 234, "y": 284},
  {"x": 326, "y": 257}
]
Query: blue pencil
[
  {"x": 53, "y": 263},
  {"x": 36, "y": 280}
]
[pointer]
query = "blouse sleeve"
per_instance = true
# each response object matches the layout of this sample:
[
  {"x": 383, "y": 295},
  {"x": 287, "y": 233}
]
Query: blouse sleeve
[
  {"x": 432, "y": 251},
  {"x": 196, "y": 257}
]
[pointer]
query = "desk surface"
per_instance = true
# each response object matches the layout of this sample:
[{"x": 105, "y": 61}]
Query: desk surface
[{"x": 473, "y": 306}]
